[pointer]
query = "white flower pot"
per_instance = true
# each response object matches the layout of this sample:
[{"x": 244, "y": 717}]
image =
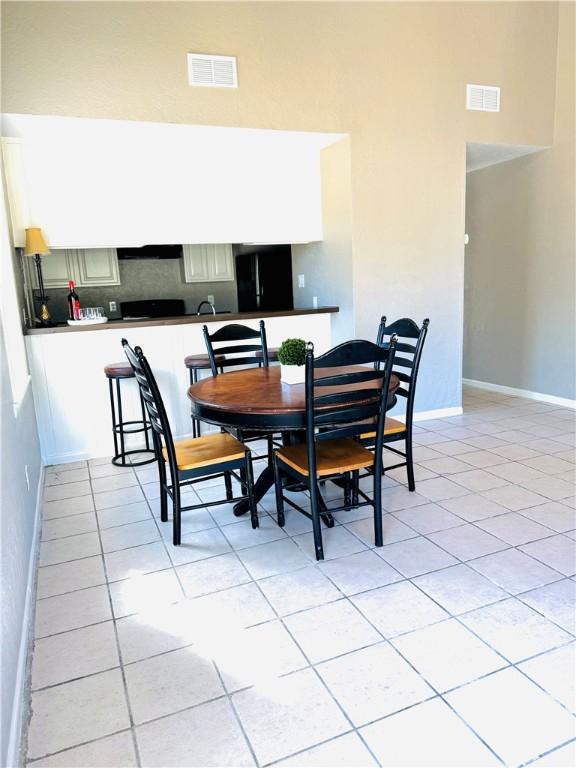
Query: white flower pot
[{"x": 293, "y": 374}]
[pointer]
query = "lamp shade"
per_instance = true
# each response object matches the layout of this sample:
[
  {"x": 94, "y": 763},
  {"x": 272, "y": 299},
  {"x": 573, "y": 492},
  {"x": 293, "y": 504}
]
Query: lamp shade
[{"x": 35, "y": 242}]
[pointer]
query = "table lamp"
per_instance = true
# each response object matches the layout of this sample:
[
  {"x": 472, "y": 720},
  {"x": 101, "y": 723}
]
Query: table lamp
[{"x": 36, "y": 246}]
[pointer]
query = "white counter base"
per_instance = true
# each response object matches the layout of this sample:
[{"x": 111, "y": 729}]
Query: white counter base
[{"x": 71, "y": 391}]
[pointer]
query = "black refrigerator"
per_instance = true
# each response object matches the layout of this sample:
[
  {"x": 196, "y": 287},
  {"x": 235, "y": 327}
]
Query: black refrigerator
[{"x": 264, "y": 277}]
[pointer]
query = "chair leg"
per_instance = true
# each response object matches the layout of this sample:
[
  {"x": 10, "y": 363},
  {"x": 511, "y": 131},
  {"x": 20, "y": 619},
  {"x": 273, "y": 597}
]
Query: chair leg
[
  {"x": 347, "y": 490},
  {"x": 176, "y": 513},
  {"x": 250, "y": 491},
  {"x": 281, "y": 520},
  {"x": 316, "y": 525},
  {"x": 113, "y": 409},
  {"x": 163, "y": 492},
  {"x": 378, "y": 533},
  {"x": 122, "y": 462},
  {"x": 228, "y": 486},
  {"x": 410, "y": 464},
  {"x": 355, "y": 486}
]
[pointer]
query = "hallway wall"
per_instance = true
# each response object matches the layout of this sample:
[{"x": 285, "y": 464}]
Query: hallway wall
[{"x": 520, "y": 300}]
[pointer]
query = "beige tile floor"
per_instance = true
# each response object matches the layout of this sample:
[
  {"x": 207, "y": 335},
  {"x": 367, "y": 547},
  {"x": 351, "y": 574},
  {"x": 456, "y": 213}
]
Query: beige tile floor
[{"x": 452, "y": 645}]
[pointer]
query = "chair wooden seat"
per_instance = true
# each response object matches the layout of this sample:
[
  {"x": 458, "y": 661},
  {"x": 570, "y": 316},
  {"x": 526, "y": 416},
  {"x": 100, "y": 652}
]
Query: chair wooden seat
[
  {"x": 118, "y": 371},
  {"x": 204, "y": 451},
  {"x": 202, "y": 361},
  {"x": 391, "y": 427},
  {"x": 332, "y": 457}
]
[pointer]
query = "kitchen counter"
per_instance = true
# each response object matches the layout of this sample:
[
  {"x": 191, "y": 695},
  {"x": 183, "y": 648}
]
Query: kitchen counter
[{"x": 181, "y": 320}]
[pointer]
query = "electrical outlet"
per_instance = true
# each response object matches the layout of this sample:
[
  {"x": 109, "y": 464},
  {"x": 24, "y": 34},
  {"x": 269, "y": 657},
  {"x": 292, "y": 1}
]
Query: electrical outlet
[
  {"x": 211, "y": 298},
  {"x": 26, "y": 476},
  {"x": 315, "y": 302},
  {"x": 112, "y": 306},
  {"x": 301, "y": 281}
]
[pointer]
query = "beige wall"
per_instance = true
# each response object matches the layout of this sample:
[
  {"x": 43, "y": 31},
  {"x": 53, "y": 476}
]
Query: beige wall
[
  {"x": 392, "y": 75},
  {"x": 328, "y": 265},
  {"x": 520, "y": 316}
]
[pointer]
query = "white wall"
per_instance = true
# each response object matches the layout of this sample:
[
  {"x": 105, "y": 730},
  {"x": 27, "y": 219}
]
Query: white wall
[
  {"x": 19, "y": 448},
  {"x": 105, "y": 183}
]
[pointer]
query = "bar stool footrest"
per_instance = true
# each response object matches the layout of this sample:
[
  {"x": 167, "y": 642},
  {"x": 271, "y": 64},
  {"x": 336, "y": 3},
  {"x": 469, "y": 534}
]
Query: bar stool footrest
[{"x": 120, "y": 459}]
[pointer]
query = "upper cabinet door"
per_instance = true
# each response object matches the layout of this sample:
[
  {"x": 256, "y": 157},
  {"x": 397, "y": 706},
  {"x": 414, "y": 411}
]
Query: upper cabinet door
[
  {"x": 97, "y": 266},
  {"x": 220, "y": 262},
  {"x": 58, "y": 268},
  {"x": 195, "y": 264}
]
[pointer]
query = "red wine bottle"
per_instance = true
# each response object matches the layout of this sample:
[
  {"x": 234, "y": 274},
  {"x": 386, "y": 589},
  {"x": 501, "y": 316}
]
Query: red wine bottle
[{"x": 73, "y": 301}]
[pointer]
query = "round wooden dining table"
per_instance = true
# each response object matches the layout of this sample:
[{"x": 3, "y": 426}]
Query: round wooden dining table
[{"x": 255, "y": 399}]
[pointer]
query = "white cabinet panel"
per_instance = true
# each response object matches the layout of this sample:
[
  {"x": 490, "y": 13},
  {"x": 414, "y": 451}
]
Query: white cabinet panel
[
  {"x": 208, "y": 263},
  {"x": 97, "y": 266},
  {"x": 58, "y": 267},
  {"x": 195, "y": 264},
  {"x": 91, "y": 267},
  {"x": 220, "y": 262}
]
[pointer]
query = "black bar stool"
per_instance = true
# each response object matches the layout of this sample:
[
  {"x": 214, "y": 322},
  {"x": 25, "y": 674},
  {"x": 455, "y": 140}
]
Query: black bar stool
[
  {"x": 196, "y": 363},
  {"x": 115, "y": 372}
]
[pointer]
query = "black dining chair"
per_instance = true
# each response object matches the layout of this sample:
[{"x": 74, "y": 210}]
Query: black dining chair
[
  {"x": 226, "y": 351},
  {"x": 406, "y": 366},
  {"x": 225, "y": 340},
  {"x": 338, "y": 404},
  {"x": 189, "y": 461}
]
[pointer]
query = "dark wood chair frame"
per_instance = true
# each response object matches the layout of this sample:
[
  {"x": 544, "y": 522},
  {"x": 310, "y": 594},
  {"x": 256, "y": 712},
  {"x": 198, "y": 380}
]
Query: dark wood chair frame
[
  {"x": 406, "y": 368},
  {"x": 182, "y": 478},
  {"x": 340, "y": 415},
  {"x": 248, "y": 355},
  {"x": 234, "y": 332}
]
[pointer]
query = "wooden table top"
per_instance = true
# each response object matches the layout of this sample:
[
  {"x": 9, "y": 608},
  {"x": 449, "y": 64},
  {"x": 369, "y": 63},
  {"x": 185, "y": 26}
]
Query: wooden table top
[{"x": 259, "y": 391}]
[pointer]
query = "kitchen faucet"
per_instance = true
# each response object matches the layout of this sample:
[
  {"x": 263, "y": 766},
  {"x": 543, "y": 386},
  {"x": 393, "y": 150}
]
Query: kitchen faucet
[{"x": 209, "y": 304}]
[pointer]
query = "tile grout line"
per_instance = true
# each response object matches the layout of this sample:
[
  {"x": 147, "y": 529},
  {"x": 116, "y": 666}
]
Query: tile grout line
[{"x": 119, "y": 649}]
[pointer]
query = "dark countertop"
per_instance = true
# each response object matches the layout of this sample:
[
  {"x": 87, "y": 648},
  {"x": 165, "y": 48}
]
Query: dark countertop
[{"x": 182, "y": 320}]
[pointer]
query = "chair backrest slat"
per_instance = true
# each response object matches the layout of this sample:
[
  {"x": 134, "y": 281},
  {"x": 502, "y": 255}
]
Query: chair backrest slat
[
  {"x": 409, "y": 361},
  {"x": 232, "y": 333},
  {"x": 346, "y": 378}
]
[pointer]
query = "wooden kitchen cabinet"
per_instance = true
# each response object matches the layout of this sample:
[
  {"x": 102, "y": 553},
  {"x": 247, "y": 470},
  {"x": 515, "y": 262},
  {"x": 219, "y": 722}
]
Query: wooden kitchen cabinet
[{"x": 208, "y": 263}]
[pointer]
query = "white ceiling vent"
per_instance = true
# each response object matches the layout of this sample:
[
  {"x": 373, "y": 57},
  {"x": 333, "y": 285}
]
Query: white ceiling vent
[
  {"x": 483, "y": 98},
  {"x": 212, "y": 71}
]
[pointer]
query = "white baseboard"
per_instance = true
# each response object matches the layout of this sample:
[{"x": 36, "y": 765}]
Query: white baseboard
[
  {"x": 19, "y": 701},
  {"x": 565, "y": 402},
  {"x": 436, "y": 413}
]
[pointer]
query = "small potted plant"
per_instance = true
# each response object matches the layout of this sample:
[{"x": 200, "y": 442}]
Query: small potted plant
[{"x": 292, "y": 356}]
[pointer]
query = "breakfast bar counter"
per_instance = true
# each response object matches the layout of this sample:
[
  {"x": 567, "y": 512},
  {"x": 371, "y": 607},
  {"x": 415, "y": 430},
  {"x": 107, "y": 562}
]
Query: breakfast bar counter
[
  {"x": 225, "y": 317},
  {"x": 71, "y": 392}
]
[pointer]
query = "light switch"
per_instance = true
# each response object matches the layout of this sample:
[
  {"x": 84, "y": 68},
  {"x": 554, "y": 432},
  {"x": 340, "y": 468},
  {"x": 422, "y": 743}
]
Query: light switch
[{"x": 301, "y": 281}]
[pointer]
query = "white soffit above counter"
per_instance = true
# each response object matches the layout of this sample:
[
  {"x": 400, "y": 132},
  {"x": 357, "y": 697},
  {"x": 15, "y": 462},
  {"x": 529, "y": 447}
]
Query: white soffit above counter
[
  {"x": 104, "y": 183},
  {"x": 482, "y": 155}
]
